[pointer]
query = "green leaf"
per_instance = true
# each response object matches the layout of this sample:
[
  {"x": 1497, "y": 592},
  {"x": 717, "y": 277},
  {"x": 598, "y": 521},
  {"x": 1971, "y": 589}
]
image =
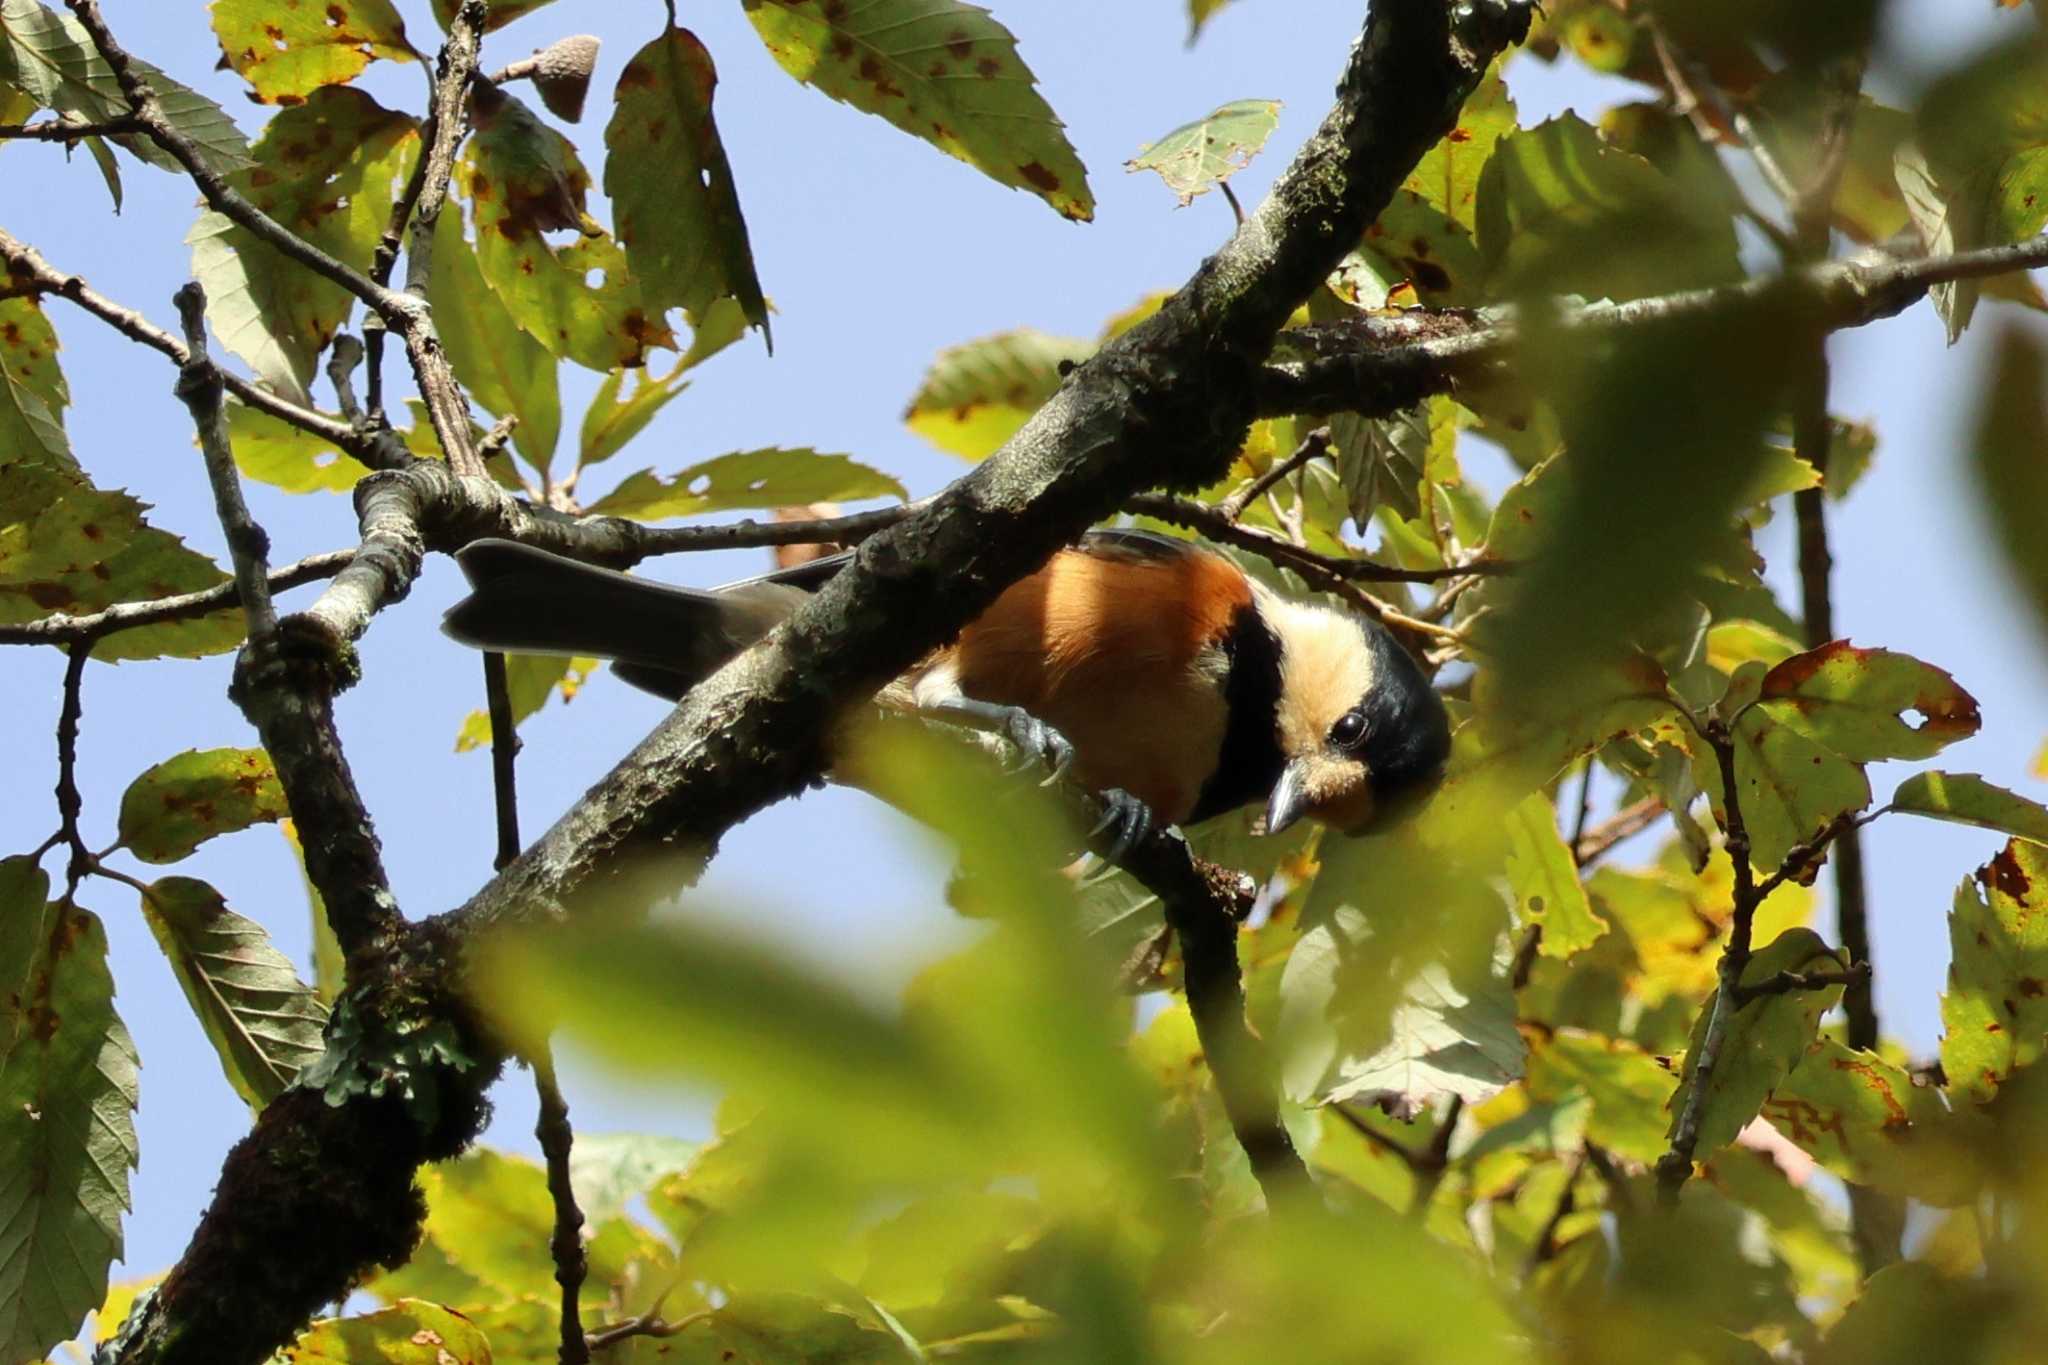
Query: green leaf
[
  {"x": 33, "y": 394},
  {"x": 610, "y": 1170},
  {"x": 1994, "y": 1013},
  {"x": 270, "y": 450},
  {"x": 410, "y": 1332},
  {"x": 2012, "y": 476},
  {"x": 263, "y": 1021},
  {"x": 1561, "y": 212},
  {"x": 1944, "y": 230},
  {"x": 1448, "y": 1038},
  {"x": 1911, "y": 1312},
  {"x": 522, "y": 179},
  {"x": 66, "y": 546},
  {"x": 530, "y": 679},
  {"x": 328, "y": 170},
  {"x": 1864, "y": 1119},
  {"x": 1629, "y": 1091},
  {"x": 329, "y": 970},
  {"x": 1795, "y": 114},
  {"x": 287, "y": 52},
  {"x": 1413, "y": 254},
  {"x": 1447, "y": 177},
  {"x": 672, "y": 191},
  {"x": 503, "y": 368},
  {"x": 1197, "y": 156},
  {"x": 1765, "y": 1039},
  {"x": 1985, "y": 131},
  {"x": 755, "y": 478},
  {"x": 1791, "y": 786},
  {"x": 1968, "y": 799},
  {"x": 1545, "y": 880},
  {"x": 1199, "y": 13},
  {"x": 942, "y": 70},
  {"x": 52, "y": 57},
  {"x": 611, "y": 421},
  {"x": 182, "y": 802},
  {"x": 1855, "y": 702},
  {"x": 976, "y": 395},
  {"x": 497, "y": 13},
  {"x": 490, "y": 1214},
  {"x": 68, "y": 1090}
]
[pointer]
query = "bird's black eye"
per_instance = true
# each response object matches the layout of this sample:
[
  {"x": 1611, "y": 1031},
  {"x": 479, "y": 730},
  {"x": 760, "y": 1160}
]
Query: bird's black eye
[{"x": 1349, "y": 731}]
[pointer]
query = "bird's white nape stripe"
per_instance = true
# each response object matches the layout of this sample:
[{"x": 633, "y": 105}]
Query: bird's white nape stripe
[{"x": 1325, "y": 667}]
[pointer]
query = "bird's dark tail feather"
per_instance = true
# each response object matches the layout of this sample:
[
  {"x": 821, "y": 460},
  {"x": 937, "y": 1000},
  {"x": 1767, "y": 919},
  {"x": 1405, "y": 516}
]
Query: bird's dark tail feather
[{"x": 665, "y": 638}]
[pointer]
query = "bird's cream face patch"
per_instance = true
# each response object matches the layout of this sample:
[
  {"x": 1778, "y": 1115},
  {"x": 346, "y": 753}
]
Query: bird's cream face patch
[
  {"x": 1325, "y": 667},
  {"x": 1338, "y": 791}
]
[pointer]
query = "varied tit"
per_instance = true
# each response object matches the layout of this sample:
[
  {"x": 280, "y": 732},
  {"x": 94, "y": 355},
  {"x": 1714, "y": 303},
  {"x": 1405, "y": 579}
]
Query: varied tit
[{"x": 1162, "y": 675}]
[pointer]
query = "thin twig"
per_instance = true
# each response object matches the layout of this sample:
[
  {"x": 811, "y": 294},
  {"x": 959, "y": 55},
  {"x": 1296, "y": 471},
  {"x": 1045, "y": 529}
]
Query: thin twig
[
  {"x": 1674, "y": 1168},
  {"x": 1541, "y": 1249},
  {"x": 645, "y": 1325},
  {"x": 1698, "y": 103},
  {"x": 1385, "y": 1142},
  {"x": 60, "y": 630},
  {"x": 504, "y": 758},
  {"x": 566, "y": 1246},
  {"x": 28, "y": 271},
  {"x": 57, "y": 130},
  {"x": 69, "y": 803},
  {"x": 199, "y": 386},
  {"x": 1585, "y": 808},
  {"x": 1236, "y": 209},
  {"x": 1313, "y": 446},
  {"x": 1435, "y": 1160},
  {"x": 1631, "y": 820},
  {"x": 1215, "y": 523},
  {"x": 1783, "y": 983}
]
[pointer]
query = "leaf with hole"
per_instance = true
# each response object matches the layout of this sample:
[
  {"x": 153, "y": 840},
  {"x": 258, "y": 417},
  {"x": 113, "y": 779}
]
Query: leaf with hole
[
  {"x": 286, "y": 52},
  {"x": 262, "y": 1020},
  {"x": 1857, "y": 702},
  {"x": 1196, "y": 157},
  {"x": 754, "y": 478},
  {"x": 941, "y": 70},
  {"x": 671, "y": 187}
]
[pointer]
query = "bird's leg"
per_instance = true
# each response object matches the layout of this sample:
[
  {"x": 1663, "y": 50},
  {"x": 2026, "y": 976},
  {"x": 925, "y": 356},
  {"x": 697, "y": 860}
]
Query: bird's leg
[
  {"x": 1032, "y": 736},
  {"x": 1125, "y": 819}
]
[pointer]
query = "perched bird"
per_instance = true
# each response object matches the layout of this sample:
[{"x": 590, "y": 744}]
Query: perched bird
[{"x": 1154, "y": 669}]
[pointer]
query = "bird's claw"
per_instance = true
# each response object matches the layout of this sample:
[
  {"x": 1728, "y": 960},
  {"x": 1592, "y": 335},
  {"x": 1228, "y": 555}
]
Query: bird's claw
[
  {"x": 1125, "y": 820},
  {"x": 1039, "y": 742}
]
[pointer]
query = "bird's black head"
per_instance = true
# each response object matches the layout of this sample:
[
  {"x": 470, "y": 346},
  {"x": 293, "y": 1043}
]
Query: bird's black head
[{"x": 1364, "y": 735}]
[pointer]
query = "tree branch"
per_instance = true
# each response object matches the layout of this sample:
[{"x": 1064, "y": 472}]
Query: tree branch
[
  {"x": 200, "y": 388},
  {"x": 1165, "y": 404},
  {"x": 70, "y": 804},
  {"x": 29, "y": 273},
  {"x": 1783, "y": 983},
  {"x": 62, "y": 630},
  {"x": 504, "y": 758},
  {"x": 58, "y": 130},
  {"x": 566, "y": 1246}
]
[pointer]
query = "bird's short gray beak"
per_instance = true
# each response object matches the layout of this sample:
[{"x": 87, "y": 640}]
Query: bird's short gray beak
[{"x": 1289, "y": 798}]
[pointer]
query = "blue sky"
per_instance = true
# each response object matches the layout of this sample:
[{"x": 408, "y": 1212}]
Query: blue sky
[{"x": 877, "y": 252}]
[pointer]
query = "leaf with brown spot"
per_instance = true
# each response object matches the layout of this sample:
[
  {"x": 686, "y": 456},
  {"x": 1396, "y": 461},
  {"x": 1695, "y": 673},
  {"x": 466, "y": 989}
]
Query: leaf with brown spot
[
  {"x": 672, "y": 190},
  {"x": 66, "y": 545},
  {"x": 327, "y": 169},
  {"x": 263, "y": 1021},
  {"x": 1856, "y": 702},
  {"x": 409, "y": 1332},
  {"x": 183, "y": 801},
  {"x": 881, "y": 58},
  {"x": 287, "y": 52},
  {"x": 1196, "y": 157},
  {"x": 1994, "y": 1013},
  {"x": 523, "y": 179},
  {"x": 33, "y": 394},
  {"x": 68, "y": 1089},
  {"x": 753, "y": 478},
  {"x": 1864, "y": 1119},
  {"x": 977, "y": 394},
  {"x": 503, "y": 369},
  {"x": 497, "y": 13}
]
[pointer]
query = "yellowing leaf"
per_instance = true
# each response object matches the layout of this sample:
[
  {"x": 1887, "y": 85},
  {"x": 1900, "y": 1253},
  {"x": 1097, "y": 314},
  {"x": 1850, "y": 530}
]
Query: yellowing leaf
[
  {"x": 503, "y": 368},
  {"x": 1545, "y": 881},
  {"x": 263, "y": 1021},
  {"x": 1864, "y": 1119},
  {"x": 672, "y": 191},
  {"x": 977, "y": 394},
  {"x": 523, "y": 179},
  {"x": 1789, "y": 785},
  {"x": 1856, "y": 702},
  {"x": 68, "y": 1091},
  {"x": 497, "y": 13},
  {"x": 1197, "y": 156},
  {"x": 33, "y": 395},
  {"x": 1447, "y": 177},
  {"x": 1968, "y": 799},
  {"x": 271, "y": 450},
  {"x": 410, "y": 1332},
  {"x": 182, "y": 802},
  {"x": 941, "y": 70},
  {"x": 753, "y": 478},
  {"x": 286, "y": 52},
  {"x": 328, "y": 170},
  {"x": 1627, "y": 1088},
  {"x": 1994, "y": 1013}
]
